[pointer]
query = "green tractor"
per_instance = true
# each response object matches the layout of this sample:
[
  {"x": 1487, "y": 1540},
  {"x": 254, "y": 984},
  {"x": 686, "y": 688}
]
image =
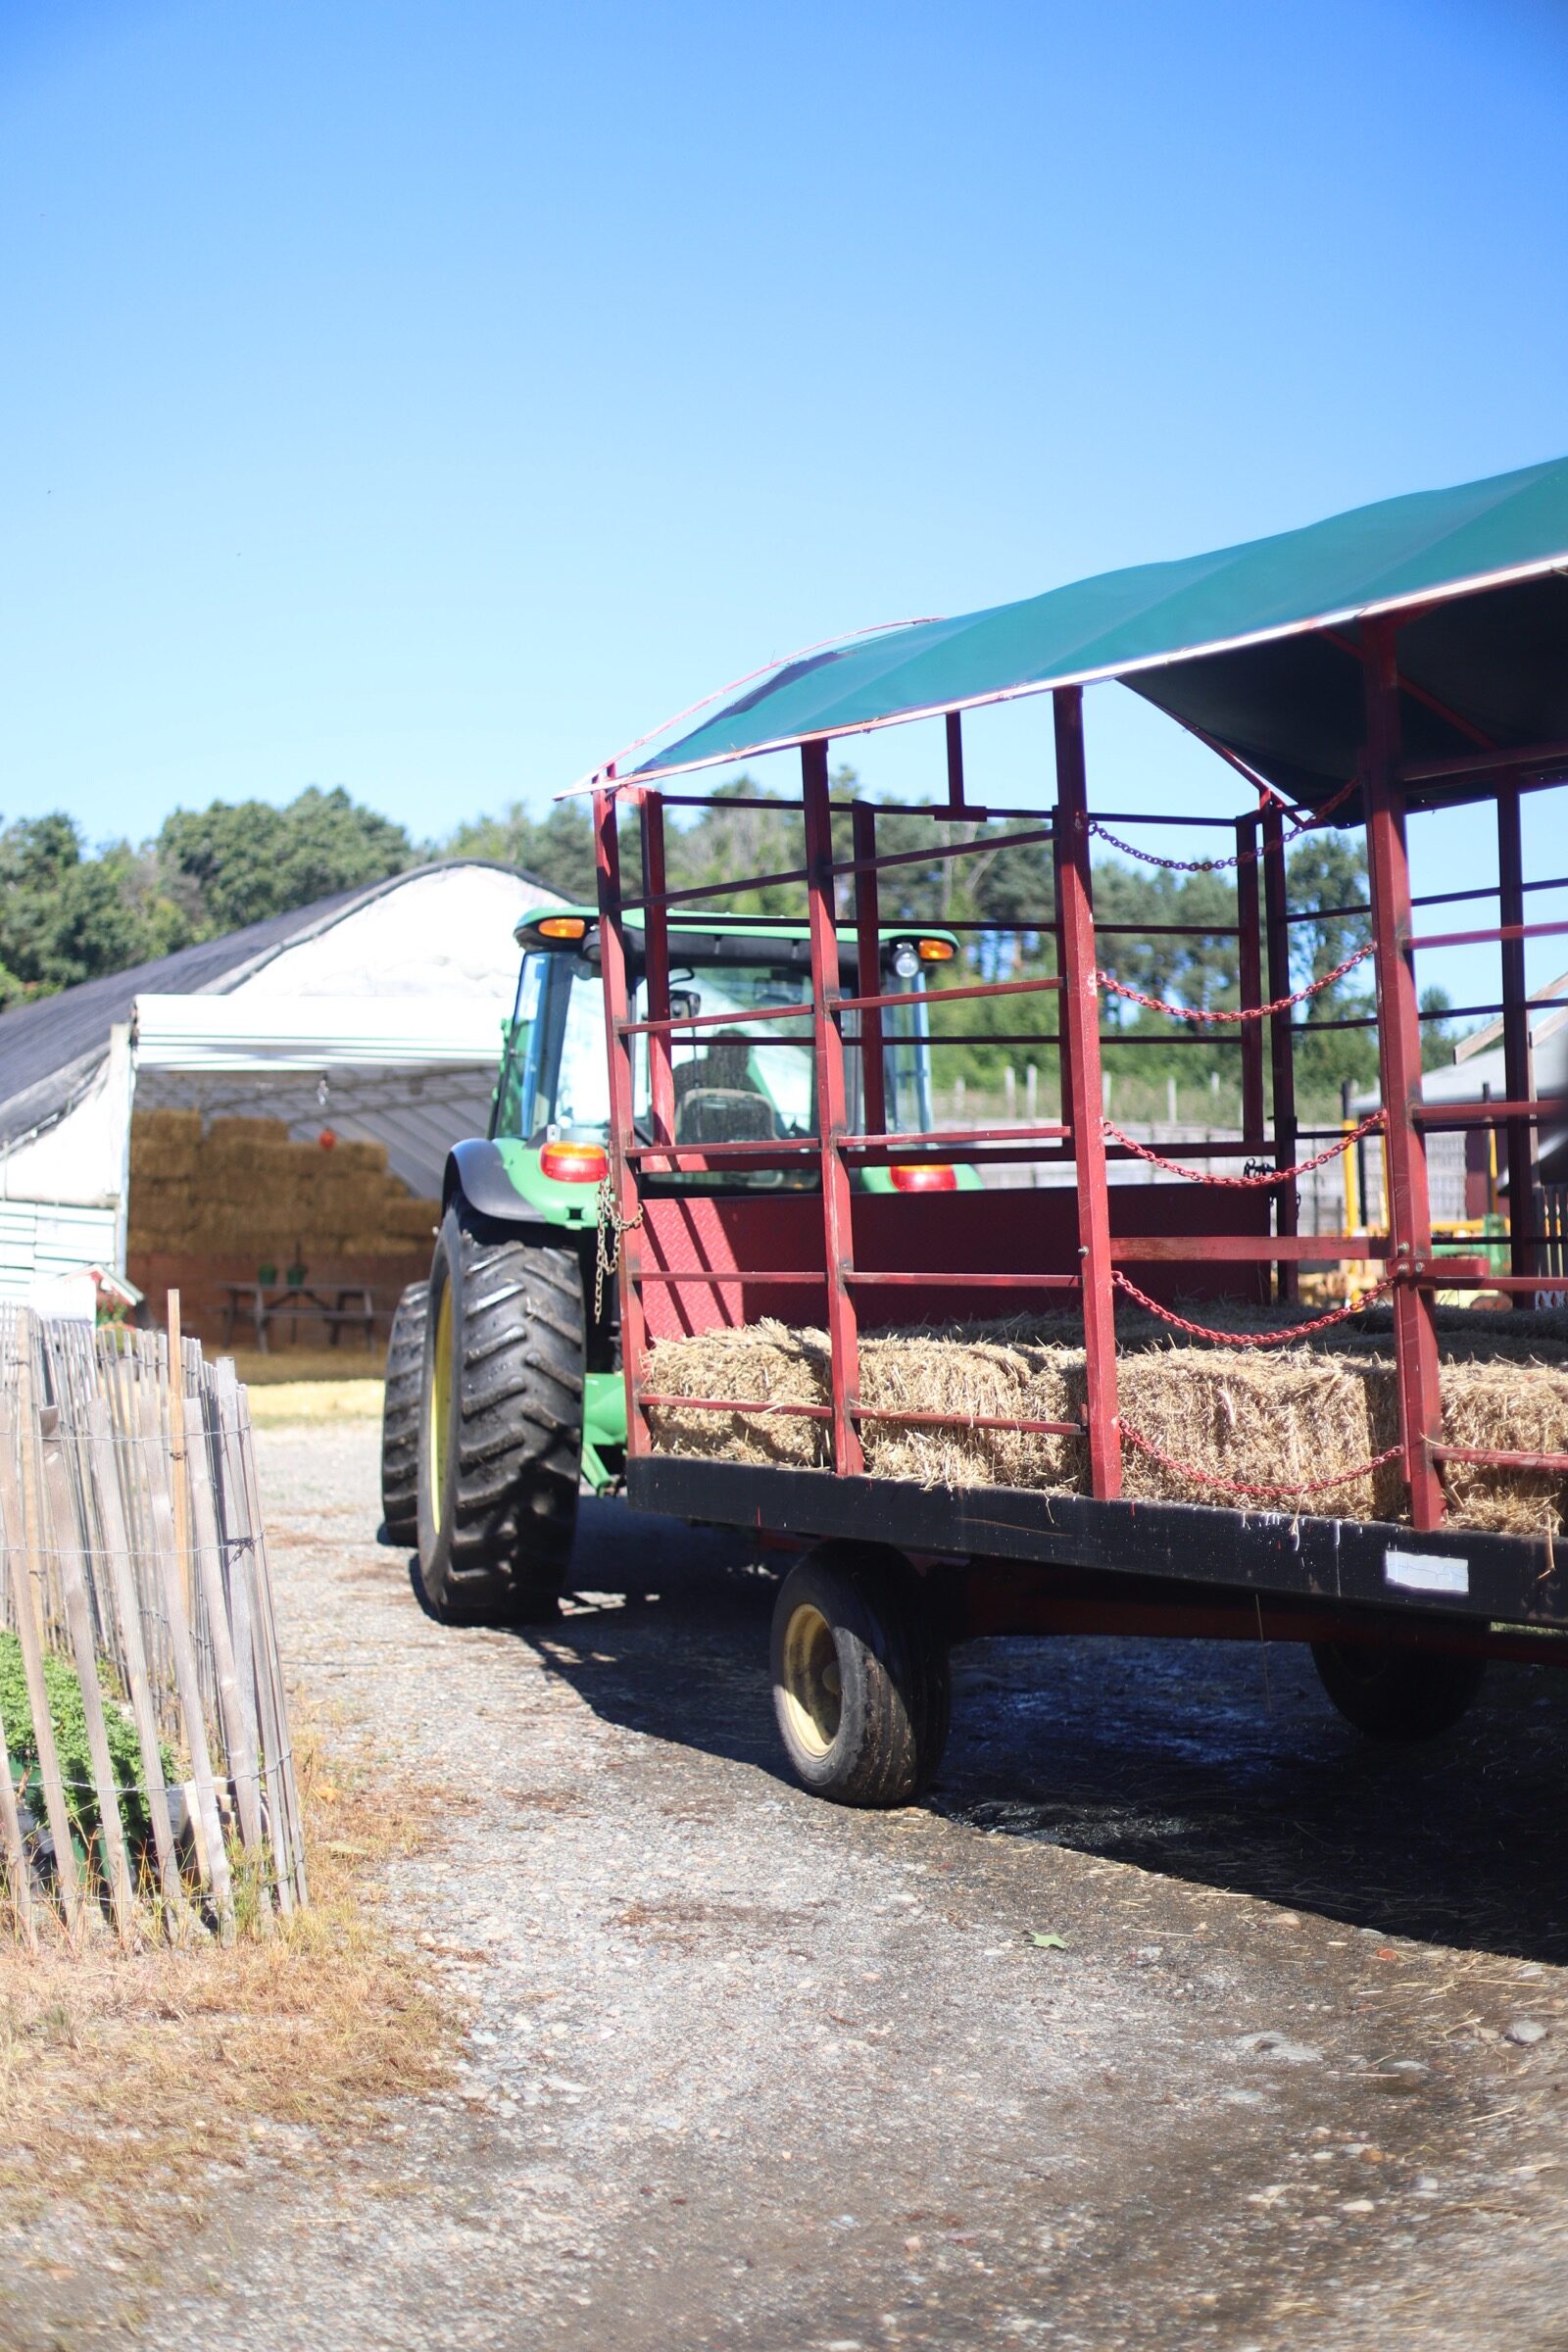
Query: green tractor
[{"x": 504, "y": 1391}]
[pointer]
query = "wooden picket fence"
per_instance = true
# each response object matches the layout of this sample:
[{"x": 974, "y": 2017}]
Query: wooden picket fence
[{"x": 132, "y": 1549}]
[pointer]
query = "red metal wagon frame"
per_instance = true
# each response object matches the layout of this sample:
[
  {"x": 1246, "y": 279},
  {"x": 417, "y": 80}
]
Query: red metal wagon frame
[{"x": 849, "y": 1260}]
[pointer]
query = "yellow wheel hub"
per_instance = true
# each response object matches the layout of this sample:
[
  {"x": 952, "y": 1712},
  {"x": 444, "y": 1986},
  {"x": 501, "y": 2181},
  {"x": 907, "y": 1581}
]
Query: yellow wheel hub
[
  {"x": 813, "y": 1697},
  {"x": 438, "y": 1421}
]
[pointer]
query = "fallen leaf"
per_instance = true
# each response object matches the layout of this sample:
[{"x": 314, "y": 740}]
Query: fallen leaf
[{"x": 1047, "y": 1944}]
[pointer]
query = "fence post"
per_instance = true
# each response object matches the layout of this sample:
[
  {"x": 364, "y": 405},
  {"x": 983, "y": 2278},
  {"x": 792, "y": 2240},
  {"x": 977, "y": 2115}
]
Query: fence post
[
  {"x": 78, "y": 1617},
  {"x": 112, "y": 1518},
  {"x": 187, "y": 1680},
  {"x": 21, "y": 1540},
  {"x": 16, "y": 1852},
  {"x": 239, "y": 1735}
]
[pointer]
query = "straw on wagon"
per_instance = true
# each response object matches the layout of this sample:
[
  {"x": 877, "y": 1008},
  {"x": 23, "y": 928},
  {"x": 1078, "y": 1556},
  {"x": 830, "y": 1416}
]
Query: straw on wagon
[{"x": 1292, "y": 1417}]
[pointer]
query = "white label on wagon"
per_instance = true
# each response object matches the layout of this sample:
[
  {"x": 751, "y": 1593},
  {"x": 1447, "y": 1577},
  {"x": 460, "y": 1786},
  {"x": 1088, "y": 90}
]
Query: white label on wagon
[{"x": 1426, "y": 1572}]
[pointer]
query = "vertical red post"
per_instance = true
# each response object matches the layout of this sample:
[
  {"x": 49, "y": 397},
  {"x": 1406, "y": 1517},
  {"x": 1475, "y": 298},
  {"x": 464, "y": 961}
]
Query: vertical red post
[
  {"x": 868, "y": 944},
  {"x": 1399, "y": 1055},
  {"x": 1250, "y": 979},
  {"x": 828, "y": 1046},
  {"x": 1282, "y": 1045},
  {"x": 1517, "y": 1083},
  {"x": 1079, "y": 999},
  {"x": 655, "y": 939},
  {"x": 1059, "y": 850},
  {"x": 622, "y": 1171},
  {"x": 955, "y": 762}
]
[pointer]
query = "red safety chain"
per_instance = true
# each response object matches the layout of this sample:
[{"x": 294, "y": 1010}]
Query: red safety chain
[
  {"x": 1241, "y": 1184},
  {"x": 1220, "y": 866},
  {"x": 1231, "y": 1486},
  {"x": 1245, "y": 1013},
  {"x": 1253, "y": 1338}
]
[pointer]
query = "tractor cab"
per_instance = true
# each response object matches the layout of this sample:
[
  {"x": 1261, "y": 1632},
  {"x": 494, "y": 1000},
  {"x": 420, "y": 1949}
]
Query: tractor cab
[{"x": 741, "y": 1074}]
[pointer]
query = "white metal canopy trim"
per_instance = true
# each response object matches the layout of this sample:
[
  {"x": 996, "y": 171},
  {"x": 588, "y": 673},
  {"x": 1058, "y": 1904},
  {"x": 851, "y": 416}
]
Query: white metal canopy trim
[{"x": 240, "y": 1034}]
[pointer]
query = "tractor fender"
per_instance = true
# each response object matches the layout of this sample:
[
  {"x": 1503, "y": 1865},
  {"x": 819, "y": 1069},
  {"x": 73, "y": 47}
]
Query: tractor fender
[{"x": 477, "y": 1172}]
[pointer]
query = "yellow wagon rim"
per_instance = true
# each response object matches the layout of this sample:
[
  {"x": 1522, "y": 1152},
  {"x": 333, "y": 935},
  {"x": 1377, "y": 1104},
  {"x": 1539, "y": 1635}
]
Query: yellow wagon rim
[{"x": 809, "y": 1680}]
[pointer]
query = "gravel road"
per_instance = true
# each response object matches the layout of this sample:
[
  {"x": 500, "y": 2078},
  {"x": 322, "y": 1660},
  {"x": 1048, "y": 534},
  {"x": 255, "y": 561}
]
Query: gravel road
[{"x": 744, "y": 2070}]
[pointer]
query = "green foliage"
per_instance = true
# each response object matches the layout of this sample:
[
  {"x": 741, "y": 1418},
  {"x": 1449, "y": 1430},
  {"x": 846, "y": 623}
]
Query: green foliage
[
  {"x": 557, "y": 849},
  {"x": 237, "y": 864},
  {"x": 69, "y": 914},
  {"x": 1438, "y": 1037},
  {"x": 66, "y": 916},
  {"x": 69, "y": 1717}
]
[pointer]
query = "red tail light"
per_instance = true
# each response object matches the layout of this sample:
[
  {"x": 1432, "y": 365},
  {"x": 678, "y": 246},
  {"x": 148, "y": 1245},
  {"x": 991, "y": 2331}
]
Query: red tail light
[
  {"x": 575, "y": 1163},
  {"x": 924, "y": 1178}
]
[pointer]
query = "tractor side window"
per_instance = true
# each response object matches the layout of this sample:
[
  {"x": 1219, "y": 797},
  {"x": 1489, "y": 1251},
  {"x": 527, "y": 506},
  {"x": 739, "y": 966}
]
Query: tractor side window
[
  {"x": 513, "y": 1086},
  {"x": 906, "y": 1067},
  {"x": 582, "y": 1085}
]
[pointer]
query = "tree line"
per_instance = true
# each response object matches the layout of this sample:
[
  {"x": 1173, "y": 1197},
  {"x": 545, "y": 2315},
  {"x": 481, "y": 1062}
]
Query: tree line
[{"x": 70, "y": 912}]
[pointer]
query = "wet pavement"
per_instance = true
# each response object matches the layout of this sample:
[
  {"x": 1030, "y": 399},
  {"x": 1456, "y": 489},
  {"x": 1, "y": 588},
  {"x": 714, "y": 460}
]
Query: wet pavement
[{"x": 1177, "y": 2015}]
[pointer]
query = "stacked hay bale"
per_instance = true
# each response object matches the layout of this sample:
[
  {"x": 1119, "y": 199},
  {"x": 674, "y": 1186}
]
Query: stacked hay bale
[
  {"x": 163, "y": 1148},
  {"x": 244, "y": 1187},
  {"x": 1277, "y": 1418}
]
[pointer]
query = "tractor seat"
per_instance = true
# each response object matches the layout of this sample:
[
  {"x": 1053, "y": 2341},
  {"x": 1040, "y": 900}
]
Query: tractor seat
[{"x": 723, "y": 1114}]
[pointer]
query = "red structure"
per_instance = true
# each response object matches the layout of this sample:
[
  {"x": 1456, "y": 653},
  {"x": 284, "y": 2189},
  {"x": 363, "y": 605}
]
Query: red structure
[{"x": 854, "y": 1261}]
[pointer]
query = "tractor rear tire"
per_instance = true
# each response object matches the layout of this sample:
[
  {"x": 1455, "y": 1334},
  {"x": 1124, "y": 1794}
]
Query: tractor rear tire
[
  {"x": 401, "y": 1417},
  {"x": 1398, "y": 1693},
  {"x": 501, "y": 1441},
  {"x": 860, "y": 1685}
]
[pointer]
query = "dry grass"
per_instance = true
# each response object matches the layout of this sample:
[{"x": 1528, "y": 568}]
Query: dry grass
[
  {"x": 1283, "y": 1417},
  {"x": 291, "y": 1366},
  {"x": 123, "y": 2081},
  {"x": 294, "y": 1400}
]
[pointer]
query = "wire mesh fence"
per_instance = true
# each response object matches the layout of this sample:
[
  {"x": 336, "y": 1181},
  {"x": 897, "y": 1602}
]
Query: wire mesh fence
[{"x": 146, "y": 1779}]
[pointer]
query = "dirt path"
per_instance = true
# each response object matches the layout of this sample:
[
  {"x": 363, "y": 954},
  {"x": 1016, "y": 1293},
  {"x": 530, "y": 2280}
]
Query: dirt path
[{"x": 748, "y": 2071}]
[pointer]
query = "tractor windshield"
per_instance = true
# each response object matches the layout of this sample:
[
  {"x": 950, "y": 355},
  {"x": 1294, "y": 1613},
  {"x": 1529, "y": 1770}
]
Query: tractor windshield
[{"x": 747, "y": 1079}]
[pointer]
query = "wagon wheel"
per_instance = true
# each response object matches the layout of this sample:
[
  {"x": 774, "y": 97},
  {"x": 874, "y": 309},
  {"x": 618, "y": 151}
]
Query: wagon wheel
[
  {"x": 1393, "y": 1691},
  {"x": 860, "y": 1685}
]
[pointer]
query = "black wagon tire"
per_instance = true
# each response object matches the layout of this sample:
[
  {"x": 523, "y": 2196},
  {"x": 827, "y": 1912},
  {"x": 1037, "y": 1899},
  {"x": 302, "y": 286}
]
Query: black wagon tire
[
  {"x": 401, "y": 1417},
  {"x": 500, "y": 1449},
  {"x": 1390, "y": 1691},
  {"x": 861, "y": 1684}
]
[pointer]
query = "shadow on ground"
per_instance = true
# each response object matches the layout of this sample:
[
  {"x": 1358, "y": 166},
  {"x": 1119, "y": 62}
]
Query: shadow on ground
[{"x": 1218, "y": 1762}]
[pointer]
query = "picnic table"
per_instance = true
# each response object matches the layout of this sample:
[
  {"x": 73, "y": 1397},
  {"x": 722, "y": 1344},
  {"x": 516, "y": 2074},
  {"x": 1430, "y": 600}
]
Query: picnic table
[{"x": 336, "y": 1305}]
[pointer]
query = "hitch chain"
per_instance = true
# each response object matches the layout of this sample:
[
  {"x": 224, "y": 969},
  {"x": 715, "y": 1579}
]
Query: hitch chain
[{"x": 611, "y": 1225}]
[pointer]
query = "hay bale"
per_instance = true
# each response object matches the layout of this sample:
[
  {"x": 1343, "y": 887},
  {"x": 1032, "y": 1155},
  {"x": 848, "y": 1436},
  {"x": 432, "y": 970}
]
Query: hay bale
[
  {"x": 236, "y": 1133},
  {"x": 762, "y": 1363},
  {"x": 1288, "y": 1417},
  {"x": 363, "y": 1159},
  {"x": 164, "y": 1143}
]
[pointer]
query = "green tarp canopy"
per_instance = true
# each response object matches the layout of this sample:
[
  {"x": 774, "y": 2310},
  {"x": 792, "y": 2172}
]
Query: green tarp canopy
[{"x": 1255, "y": 646}]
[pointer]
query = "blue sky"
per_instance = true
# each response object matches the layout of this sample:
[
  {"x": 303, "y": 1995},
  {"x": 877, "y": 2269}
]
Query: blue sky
[{"x": 429, "y": 398}]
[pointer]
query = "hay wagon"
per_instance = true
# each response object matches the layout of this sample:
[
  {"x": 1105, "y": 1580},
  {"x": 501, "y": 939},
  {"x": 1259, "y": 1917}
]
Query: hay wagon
[{"x": 806, "y": 1359}]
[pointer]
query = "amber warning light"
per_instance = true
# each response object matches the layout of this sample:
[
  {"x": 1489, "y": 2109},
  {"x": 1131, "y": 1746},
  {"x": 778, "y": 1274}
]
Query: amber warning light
[
  {"x": 934, "y": 951},
  {"x": 575, "y": 1163},
  {"x": 562, "y": 926}
]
